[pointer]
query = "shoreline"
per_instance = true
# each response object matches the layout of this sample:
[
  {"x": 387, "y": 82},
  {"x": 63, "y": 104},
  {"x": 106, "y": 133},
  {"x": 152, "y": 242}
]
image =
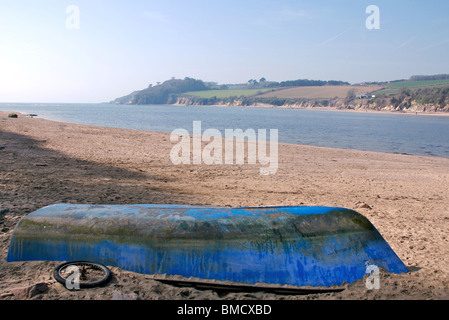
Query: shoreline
[
  {"x": 331, "y": 109},
  {"x": 5, "y": 113},
  {"x": 45, "y": 162}
]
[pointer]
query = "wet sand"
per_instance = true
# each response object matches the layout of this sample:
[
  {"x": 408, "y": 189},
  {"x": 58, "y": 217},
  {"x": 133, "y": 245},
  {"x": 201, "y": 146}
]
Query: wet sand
[{"x": 44, "y": 162}]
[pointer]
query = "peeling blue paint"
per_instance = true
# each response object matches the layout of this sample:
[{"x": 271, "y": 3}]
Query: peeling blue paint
[{"x": 316, "y": 246}]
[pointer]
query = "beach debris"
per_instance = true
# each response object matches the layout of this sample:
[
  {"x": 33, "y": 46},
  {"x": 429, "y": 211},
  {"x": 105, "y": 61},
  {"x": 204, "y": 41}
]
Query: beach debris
[
  {"x": 40, "y": 164},
  {"x": 13, "y": 115},
  {"x": 360, "y": 204},
  {"x": 81, "y": 274},
  {"x": 241, "y": 287}
]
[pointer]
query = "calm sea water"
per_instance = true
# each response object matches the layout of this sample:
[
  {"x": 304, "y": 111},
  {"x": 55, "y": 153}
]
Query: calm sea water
[{"x": 393, "y": 133}]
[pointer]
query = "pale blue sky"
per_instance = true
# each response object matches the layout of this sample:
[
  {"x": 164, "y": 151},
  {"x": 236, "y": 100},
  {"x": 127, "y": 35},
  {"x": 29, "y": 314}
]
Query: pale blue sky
[{"x": 122, "y": 46}]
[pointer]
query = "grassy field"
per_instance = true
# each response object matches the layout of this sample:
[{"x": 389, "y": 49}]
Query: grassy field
[
  {"x": 323, "y": 92},
  {"x": 394, "y": 87},
  {"x": 319, "y": 92},
  {"x": 226, "y": 93},
  {"x": 415, "y": 84}
]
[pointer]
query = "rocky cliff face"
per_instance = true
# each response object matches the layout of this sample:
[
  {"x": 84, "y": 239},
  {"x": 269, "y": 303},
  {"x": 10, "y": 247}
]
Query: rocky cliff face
[
  {"x": 386, "y": 104},
  {"x": 404, "y": 105}
]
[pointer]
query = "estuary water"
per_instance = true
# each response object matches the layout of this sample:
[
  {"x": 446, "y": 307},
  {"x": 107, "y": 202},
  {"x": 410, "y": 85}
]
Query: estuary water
[{"x": 392, "y": 133}]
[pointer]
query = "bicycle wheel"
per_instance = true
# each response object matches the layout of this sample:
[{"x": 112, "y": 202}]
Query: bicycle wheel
[{"x": 81, "y": 274}]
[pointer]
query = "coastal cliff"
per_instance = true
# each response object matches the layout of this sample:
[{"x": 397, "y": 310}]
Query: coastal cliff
[
  {"x": 395, "y": 96},
  {"x": 390, "y": 104}
]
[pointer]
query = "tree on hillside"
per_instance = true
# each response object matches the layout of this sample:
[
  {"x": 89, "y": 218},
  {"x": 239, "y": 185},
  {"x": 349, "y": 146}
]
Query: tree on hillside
[
  {"x": 429, "y": 77},
  {"x": 252, "y": 82},
  {"x": 350, "y": 96},
  {"x": 404, "y": 91},
  {"x": 161, "y": 94}
]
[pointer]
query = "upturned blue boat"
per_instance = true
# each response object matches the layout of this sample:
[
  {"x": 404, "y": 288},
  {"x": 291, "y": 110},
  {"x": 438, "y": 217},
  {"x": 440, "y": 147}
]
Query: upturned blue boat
[{"x": 302, "y": 246}]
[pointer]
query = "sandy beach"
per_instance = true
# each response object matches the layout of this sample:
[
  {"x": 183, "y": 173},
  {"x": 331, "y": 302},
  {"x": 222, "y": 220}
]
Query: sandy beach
[{"x": 45, "y": 162}]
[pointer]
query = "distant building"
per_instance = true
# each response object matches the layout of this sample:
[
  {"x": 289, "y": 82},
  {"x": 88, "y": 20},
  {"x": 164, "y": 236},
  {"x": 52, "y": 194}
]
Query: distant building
[{"x": 363, "y": 95}]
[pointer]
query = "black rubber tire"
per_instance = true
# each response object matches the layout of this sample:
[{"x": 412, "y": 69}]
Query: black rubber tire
[{"x": 106, "y": 277}]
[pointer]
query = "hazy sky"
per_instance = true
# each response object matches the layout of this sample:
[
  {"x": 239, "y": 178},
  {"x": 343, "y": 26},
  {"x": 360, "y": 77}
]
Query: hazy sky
[{"x": 122, "y": 46}]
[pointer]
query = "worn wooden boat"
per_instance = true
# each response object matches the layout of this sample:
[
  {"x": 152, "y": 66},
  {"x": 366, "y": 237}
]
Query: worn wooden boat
[{"x": 302, "y": 246}]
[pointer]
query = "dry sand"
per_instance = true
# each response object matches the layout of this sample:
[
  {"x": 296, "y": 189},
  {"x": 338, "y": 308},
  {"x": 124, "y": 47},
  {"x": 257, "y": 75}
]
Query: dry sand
[{"x": 44, "y": 162}]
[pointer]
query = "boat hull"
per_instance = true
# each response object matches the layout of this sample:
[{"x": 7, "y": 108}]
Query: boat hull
[{"x": 303, "y": 246}]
